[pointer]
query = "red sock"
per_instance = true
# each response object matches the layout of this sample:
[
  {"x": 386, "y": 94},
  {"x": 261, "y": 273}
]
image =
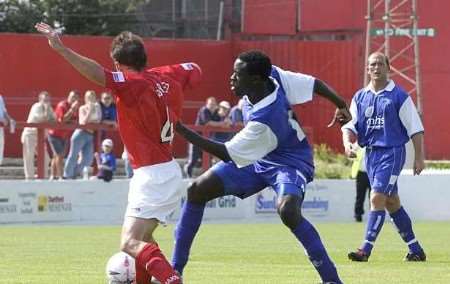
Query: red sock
[
  {"x": 142, "y": 276},
  {"x": 156, "y": 264}
]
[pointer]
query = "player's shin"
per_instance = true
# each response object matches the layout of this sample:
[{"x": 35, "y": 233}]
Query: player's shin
[
  {"x": 185, "y": 231},
  {"x": 374, "y": 224},
  {"x": 404, "y": 226},
  {"x": 310, "y": 239},
  {"x": 142, "y": 276},
  {"x": 155, "y": 263}
]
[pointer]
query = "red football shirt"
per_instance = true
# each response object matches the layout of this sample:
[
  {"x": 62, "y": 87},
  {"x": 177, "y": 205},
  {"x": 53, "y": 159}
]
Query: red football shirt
[
  {"x": 61, "y": 108},
  {"x": 148, "y": 105}
]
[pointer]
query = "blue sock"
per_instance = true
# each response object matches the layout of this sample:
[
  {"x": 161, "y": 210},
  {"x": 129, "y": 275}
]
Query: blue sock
[
  {"x": 404, "y": 227},
  {"x": 374, "y": 225},
  {"x": 185, "y": 231},
  {"x": 310, "y": 239}
]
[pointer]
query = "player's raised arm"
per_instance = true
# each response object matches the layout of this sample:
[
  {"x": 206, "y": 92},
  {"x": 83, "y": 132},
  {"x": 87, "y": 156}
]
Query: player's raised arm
[
  {"x": 216, "y": 148},
  {"x": 86, "y": 66},
  {"x": 342, "y": 114}
]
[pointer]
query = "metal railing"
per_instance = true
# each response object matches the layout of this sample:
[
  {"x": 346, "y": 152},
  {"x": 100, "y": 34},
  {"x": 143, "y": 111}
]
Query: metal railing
[{"x": 42, "y": 127}]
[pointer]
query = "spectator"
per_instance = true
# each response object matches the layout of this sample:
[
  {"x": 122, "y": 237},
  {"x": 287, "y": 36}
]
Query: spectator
[
  {"x": 5, "y": 120},
  {"x": 66, "y": 112},
  {"x": 108, "y": 107},
  {"x": 40, "y": 112},
  {"x": 236, "y": 116},
  {"x": 109, "y": 112},
  {"x": 106, "y": 161},
  {"x": 362, "y": 183},
  {"x": 205, "y": 116},
  {"x": 82, "y": 140},
  {"x": 223, "y": 118},
  {"x": 128, "y": 168}
]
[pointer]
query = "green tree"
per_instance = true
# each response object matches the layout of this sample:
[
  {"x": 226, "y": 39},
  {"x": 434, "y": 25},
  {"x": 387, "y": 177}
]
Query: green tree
[
  {"x": 94, "y": 17},
  {"x": 20, "y": 16}
]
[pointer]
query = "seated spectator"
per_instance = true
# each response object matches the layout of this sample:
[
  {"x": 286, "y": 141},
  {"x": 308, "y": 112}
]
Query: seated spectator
[
  {"x": 66, "y": 112},
  {"x": 205, "y": 116},
  {"x": 5, "y": 120},
  {"x": 82, "y": 140},
  {"x": 106, "y": 161},
  {"x": 41, "y": 111},
  {"x": 223, "y": 121}
]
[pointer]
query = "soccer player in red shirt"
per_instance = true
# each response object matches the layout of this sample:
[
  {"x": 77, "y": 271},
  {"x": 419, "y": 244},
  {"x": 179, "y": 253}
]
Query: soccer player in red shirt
[{"x": 148, "y": 104}]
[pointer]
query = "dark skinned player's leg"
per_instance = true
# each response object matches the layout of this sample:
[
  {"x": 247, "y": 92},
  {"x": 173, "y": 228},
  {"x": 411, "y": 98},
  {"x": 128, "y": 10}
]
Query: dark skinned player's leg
[
  {"x": 289, "y": 208},
  {"x": 204, "y": 188}
]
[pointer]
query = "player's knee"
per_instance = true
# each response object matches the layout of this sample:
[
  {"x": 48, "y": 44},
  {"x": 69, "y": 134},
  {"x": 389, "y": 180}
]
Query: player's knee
[
  {"x": 378, "y": 201},
  {"x": 193, "y": 194},
  {"x": 290, "y": 214}
]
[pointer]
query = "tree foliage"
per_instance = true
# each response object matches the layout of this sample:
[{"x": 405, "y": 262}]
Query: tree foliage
[{"x": 94, "y": 17}]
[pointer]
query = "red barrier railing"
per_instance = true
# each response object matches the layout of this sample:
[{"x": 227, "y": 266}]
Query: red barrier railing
[
  {"x": 207, "y": 131},
  {"x": 41, "y": 127}
]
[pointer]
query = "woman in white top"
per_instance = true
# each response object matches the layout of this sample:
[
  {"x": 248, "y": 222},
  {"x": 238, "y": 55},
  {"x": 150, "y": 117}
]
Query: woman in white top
[{"x": 82, "y": 140}]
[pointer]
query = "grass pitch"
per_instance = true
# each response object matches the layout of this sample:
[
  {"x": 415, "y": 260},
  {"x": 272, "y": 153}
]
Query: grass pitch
[{"x": 222, "y": 254}]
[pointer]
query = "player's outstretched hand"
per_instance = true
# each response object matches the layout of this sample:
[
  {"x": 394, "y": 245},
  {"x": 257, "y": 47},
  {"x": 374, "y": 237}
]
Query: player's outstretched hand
[
  {"x": 341, "y": 115},
  {"x": 51, "y": 34}
]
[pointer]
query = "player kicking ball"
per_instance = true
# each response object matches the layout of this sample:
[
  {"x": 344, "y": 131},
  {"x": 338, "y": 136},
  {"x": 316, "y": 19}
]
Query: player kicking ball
[
  {"x": 271, "y": 150},
  {"x": 384, "y": 118},
  {"x": 148, "y": 103}
]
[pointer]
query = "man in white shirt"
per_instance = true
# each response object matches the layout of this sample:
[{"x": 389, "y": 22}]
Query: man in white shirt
[
  {"x": 5, "y": 120},
  {"x": 41, "y": 111}
]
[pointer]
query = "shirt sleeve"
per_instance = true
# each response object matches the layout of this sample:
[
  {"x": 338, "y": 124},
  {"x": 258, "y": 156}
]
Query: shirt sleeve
[
  {"x": 120, "y": 86},
  {"x": 410, "y": 117},
  {"x": 351, "y": 125},
  {"x": 299, "y": 87},
  {"x": 252, "y": 143}
]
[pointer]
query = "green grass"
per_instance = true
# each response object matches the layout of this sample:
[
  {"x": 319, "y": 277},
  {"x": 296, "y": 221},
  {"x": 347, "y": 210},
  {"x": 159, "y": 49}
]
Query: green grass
[{"x": 245, "y": 253}]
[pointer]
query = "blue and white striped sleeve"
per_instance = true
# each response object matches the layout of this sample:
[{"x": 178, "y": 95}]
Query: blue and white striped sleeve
[
  {"x": 252, "y": 143},
  {"x": 410, "y": 117},
  {"x": 299, "y": 87}
]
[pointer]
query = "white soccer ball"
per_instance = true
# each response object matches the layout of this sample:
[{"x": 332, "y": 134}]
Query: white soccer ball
[{"x": 120, "y": 269}]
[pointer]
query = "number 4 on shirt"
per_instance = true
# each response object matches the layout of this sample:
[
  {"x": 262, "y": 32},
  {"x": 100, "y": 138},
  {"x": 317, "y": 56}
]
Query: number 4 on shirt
[{"x": 167, "y": 130}]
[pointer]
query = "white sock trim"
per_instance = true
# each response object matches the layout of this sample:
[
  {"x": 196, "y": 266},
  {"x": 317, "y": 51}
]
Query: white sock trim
[
  {"x": 412, "y": 241},
  {"x": 369, "y": 242}
]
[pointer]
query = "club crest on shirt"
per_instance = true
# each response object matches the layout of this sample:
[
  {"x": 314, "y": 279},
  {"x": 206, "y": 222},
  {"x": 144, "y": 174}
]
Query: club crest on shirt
[
  {"x": 369, "y": 111},
  {"x": 162, "y": 88}
]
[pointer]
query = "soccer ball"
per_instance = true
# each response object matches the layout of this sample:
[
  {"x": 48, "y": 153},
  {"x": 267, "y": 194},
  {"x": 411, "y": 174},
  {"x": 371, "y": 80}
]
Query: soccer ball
[{"x": 120, "y": 269}]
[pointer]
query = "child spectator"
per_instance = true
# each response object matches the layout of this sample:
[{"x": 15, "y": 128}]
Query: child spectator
[{"x": 106, "y": 161}]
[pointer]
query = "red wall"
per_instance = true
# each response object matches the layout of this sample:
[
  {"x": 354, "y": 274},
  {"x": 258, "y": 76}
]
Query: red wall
[
  {"x": 28, "y": 66},
  {"x": 318, "y": 15},
  {"x": 270, "y": 17}
]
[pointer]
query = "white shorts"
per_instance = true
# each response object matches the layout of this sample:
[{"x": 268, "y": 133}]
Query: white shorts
[{"x": 155, "y": 191}]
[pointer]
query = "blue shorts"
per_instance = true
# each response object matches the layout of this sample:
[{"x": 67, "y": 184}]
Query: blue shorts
[
  {"x": 246, "y": 181},
  {"x": 383, "y": 168},
  {"x": 57, "y": 144}
]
